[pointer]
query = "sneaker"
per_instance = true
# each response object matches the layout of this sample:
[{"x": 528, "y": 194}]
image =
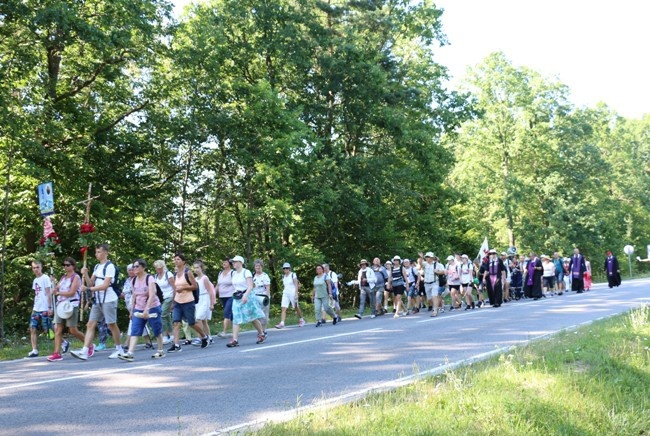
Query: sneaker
[
  {"x": 301, "y": 323},
  {"x": 318, "y": 324},
  {"x": 281, "y": 325},
  {"x": 338, "y": 319},
  {"x": 357, "y": 316},
  {"x": 115, "y": 354},
  {"x": 100, "y": 347},
  {"x": 158, "y": 355},
  {"x": 404, "y": 313},
  {"x": 196, "y": 342},
  {"x": 222, "y": 335},
  {"x": 174, "y": 348},
  {"x": 385, "y": 309},
  {"x": 430, "y": 309},
  {"x": 33, "y": 353},
  {"x": 211, "y": 341},
  {"x": 479, "y": 304},
  {"x": 232, "y": 344},
  {"x": 91, "y": 350},
  {"x": 442, "y": 310},
  {"x": 125, "y": 356},
  {"x": 373, "y": 316},
  {"x": 260, "y": 339},
  {"x": 79, "y": 354},
  {"x": 167, "y": 340},
  {"x": 56, "y": 357},
  {"x": 65, "y": 346},
  {"x": 148, "y": 346},
  {"x": 264, "y": 332},
  {"x": 323, "y": 321},
  {"x": 396, "y": 315},
  {"x": 187, "y": 342},
  {"x": 434, "y": 313},
  {"x": 204, "y": 342},
  {"x": 416, "y": 310},
  {"x": 335, "y": 320}
]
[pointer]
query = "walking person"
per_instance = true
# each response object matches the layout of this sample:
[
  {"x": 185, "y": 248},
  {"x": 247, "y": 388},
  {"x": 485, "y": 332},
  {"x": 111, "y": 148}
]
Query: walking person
[
  {"x": 165, "y": 281},
  {"x": 336, "y": 290},
  {"x": 184, "y": 307},
  {"x": 321, "y": 294},
  {"x": 397, "y": 281},
  {"x": 577, "y": 267},
  {"x": 548, "y": 275},
  {"x": 66, "y": 290},
  {"x": 245, "y": 305},
  {"x": 587, "y": 274},
  {"x": 145, "y": 308},
  {"x": 262, "y": 290},
  {"x": 290, "y": 293},
  {"x": 559, "y": 273},
  {"x": 533, "y": 272},
  {"x": 42, "y": 310},
  {"x": 453, "y": 282},
  {"x": 105, "y": 303},
  {"x": 366, "y": 280},
  {"x": 381, "y": 277},
  {"x": 612, "y": 270},
  {"x": 207, "y": 300},
  {"x": 224, "y": 290},
  {"x": 494, "y": 277},
  {"x": 466, "y": 281}
]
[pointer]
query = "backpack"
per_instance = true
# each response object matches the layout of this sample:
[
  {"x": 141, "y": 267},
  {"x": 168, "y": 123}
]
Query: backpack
[
  {"x": 195, "y": 292},
  {"x": 117, "y": 284},
  {"x": 159, "y": 293}
]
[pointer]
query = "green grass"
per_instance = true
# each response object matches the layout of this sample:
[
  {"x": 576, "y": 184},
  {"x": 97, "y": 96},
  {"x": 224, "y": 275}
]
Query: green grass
[{"x": 592, "y": 381}]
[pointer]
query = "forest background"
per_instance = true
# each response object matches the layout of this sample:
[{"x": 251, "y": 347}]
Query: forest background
[{"x": 303, "y": 131}]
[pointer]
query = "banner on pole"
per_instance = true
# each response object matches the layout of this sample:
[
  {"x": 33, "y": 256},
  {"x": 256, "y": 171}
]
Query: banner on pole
[{"x": 46, "y": 198}]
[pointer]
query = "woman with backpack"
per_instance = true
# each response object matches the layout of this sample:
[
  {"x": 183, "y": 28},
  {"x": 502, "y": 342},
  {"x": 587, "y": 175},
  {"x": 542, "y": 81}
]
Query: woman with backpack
[
  {"x": 145, "y": 307},
  {"x": 225, "y": 290},
  {"x": 165, "y": 280},
  {"x": 207, "y": 298},
  {"x": 290, "y": 294}
]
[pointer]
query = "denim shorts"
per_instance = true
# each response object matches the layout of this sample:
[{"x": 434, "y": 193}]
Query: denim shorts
[
  {"x": 413, "y": 291},
  {"x": 137, "y": 324},
  {"x": 227, "y": 307},
  {"x": 42, "y": 318},
  {"x": 184, "y": 311}
]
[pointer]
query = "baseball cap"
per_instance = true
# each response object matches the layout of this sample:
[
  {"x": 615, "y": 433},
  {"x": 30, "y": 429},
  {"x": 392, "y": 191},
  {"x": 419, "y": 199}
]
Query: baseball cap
[
  {"x": 286, "y": 265},
  {"x": 429, "y": 254},
  {"x": 237, "y": 259}
]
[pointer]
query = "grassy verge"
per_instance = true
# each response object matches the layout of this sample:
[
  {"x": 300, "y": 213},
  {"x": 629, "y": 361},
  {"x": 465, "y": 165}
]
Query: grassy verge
[{"x": 595, "y": 380}]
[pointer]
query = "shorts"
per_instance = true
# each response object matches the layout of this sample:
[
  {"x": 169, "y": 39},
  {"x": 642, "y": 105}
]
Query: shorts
[
  {"x": 73, "y": 321},
  {"x": 184, "y": 311},
  {"x": 456, "y": 287},
  {"x": 289, "y": 300},
  {"x": 227, "y": 307},
  {"x": 549, "y": 282},
  {"x": 413, "y": 292},
  {"x": 138, "y": 324},
  {"x": 42, "y": 318},
  {"x": 428, "y": 289},
  {"x": 559, "y": 276},
  {"x": 398, "y": 289},
  {"x": 379, "y": 294},
  {"x": 104, "y": 311},
  {"x": 421, "y": 291},
  {"x": 441, "y": 290}
]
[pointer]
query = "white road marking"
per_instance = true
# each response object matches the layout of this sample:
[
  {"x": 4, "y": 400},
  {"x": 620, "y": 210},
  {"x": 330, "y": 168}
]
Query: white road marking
[
  {"x": 86, "y": 375},
  {"x": 321, "y": 338}
]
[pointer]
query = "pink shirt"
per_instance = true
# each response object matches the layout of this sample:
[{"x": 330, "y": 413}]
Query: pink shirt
[{"x": 140, "y": 294}]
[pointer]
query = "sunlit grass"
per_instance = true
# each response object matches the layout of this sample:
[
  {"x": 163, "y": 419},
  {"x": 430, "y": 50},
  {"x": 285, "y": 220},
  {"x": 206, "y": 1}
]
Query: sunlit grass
[{"x": 595, "y": 380}]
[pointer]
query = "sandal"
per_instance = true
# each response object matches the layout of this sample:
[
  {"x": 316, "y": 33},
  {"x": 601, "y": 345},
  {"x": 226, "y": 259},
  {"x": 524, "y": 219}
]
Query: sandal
[{"x": 232, "y": 344}]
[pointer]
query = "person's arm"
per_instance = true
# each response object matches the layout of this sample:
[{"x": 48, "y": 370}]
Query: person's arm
[
  {"x": 329, "y": 286},
  {"x": 296, "y": 284},
  {"x": 150, "y": 297},
  {"x": 249, "y": 289},
  {"x": 48, "y": 292},
  {"x": 213, "y": 295}
]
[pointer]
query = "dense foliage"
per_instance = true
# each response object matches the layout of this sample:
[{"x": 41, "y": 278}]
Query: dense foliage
[{"x": 300, "y": 131}]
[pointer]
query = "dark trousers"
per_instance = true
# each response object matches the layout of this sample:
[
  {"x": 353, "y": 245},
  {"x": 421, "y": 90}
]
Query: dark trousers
[
  {"x": 495, "y": 294},
  {"x": 577, "y": 284}
]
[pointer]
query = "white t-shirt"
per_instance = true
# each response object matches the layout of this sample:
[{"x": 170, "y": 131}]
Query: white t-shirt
[
  {"x": 260, "y": 282},
  {"x": 98, "y": 272},
  {"x": 39, "y": 285},
  {"x": 549, "y": 269},
  {"x": 466, "y": 273},
  {"x": 288, "y": 284},
  {"x": 165, "y": 287},
  {"x": 334, "y": 278},
  {"x": 429, "y": 270},
  {"x": 239, "y": 279}
]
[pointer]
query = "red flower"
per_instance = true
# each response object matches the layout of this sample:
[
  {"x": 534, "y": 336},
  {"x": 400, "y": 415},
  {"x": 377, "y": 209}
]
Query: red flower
[
  {"x": 83, "y": 250},
  {"x": 42, "y": 241}
]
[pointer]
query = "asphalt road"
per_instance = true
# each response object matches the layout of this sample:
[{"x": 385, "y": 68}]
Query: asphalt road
[{"x": 200, "y": 391}]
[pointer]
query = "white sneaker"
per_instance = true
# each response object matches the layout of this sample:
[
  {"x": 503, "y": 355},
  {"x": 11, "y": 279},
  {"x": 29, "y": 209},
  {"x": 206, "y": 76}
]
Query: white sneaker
[
  {"x": 79, "y": 354},
  {"x": 301, "y": 323},
  {"x": 372, "y": 316},
  {"x": 167, "y": 340},
  {"x": 222, "y": 335},
  {"x": 115, "y": 354}
]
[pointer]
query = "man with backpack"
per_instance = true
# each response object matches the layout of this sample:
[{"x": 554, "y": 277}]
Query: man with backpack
[{"x": 103, "y": 285}]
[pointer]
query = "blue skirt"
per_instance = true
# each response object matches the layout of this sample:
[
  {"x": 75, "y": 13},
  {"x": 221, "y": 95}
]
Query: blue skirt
[{"x": 249, "y": 312}]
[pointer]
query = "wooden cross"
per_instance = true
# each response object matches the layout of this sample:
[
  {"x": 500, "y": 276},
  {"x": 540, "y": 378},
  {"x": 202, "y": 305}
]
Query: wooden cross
[{"x": 87, "y": 202}]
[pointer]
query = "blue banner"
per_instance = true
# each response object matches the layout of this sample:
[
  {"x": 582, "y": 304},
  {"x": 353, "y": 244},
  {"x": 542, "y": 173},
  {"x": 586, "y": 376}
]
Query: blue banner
[{"x": 46, "y": 198}]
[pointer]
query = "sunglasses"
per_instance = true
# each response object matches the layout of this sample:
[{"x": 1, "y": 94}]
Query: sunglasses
[{"x": 67, "y": 264}]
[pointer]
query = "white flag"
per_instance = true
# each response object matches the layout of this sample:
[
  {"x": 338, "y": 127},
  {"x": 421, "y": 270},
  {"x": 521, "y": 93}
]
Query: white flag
[{"x": 483, "y": 251}]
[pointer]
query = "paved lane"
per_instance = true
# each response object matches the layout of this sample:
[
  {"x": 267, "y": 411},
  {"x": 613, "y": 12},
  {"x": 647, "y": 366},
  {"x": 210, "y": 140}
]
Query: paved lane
[{"x": 198, "y": 391}]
